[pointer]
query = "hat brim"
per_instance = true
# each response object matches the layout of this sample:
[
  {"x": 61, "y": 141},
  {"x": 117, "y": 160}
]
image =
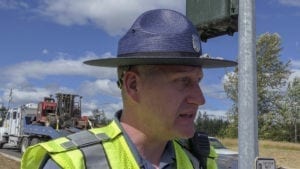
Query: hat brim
[{"x": 189, "y": 61}]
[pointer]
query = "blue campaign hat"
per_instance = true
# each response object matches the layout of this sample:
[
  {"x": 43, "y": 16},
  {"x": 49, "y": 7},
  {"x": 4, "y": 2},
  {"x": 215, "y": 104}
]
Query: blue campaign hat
[{"x": 161, "y": 37}]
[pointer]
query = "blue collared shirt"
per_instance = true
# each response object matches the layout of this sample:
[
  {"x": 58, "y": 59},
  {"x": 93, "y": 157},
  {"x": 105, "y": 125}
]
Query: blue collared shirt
[{"x": 168, "y": 157}]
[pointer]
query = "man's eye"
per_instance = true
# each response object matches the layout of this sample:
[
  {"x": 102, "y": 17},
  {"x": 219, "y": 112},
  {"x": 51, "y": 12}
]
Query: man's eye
[{"x": 186, "y": 81}]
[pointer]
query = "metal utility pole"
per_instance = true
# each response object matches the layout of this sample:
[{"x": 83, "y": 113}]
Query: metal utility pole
[
  {"x": 247, "y": 86},
  {"x": 10, "y": 98}
]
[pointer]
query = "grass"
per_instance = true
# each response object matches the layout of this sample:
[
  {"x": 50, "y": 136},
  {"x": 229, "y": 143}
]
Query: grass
[{"x": 286, "y": 154}]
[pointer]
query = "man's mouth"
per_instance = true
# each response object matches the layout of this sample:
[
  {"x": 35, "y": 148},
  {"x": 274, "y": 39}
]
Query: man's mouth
[{"x": 186, "y": 115}]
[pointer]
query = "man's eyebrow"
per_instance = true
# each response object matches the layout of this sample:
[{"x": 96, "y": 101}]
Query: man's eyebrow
[{"x": 199, "y": 75}]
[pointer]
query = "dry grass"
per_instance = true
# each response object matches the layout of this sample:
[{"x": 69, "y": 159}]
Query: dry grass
[{"x": 286, "y": 154}]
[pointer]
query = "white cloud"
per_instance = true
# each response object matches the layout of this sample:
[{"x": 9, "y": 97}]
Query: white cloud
[
  {"x": 213, "y": 114},
  {"x": 214, "y": 90},
  {"x": 45, "y": 51},
  {"x": 12, "y": 4},
  {"x": 31, "y": 94},
  {"x": 22, "y": 96},
  {"x": 30, "y": 80},
  {"x": 20, "y": 73},
  {"x": 108, "y": 108},
  {"x": 111, "y": 108},
  {"x": 101, "y": 86},
  {"x": 90, "y": 105},
  {"x": 295, "y": 64},
  {"x": 113, "y": 16},
  {"x": 295, "y": 3}
]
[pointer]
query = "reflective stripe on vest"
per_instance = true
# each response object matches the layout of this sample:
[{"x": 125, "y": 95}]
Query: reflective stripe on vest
[
  {"x": 182, "y": 160},
  {"x": 35, "y": 155},
  {"x": 116, "y": 149},
  {"x": 84, "y": 150},
  {"x": 211, "y": 160}
]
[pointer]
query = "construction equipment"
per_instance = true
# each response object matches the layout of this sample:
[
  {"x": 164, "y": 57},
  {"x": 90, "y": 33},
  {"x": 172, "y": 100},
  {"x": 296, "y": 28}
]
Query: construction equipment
[
  {"x": 64, "y": 113},
  {"x": 32, "y": 123}
]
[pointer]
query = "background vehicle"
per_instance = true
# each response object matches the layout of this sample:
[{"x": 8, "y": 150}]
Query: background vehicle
[
  {"x": 32, "y": 123},
  {"x": 220, "y": 148},
  {"x": 226, "y": 158}
]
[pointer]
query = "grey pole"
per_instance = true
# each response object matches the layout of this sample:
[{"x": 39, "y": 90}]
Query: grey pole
[{"x": 247, "y": 86}]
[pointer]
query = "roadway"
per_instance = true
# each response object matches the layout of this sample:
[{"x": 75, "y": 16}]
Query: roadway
[{"x": 11, "y": 152}]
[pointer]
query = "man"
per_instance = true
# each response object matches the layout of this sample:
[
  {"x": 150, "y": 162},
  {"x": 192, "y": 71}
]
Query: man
[{"x": 159, "y": 69}]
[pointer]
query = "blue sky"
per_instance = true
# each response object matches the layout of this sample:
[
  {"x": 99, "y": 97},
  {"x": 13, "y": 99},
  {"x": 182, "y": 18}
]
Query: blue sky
[{"x": 43, "y": 44}]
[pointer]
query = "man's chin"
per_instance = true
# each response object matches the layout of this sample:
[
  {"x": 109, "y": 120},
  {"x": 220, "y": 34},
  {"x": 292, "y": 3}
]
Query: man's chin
[{"x": 187, "y": 133}]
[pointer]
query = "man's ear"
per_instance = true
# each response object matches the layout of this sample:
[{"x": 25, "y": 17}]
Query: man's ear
[{"x": 130, "y": 81}]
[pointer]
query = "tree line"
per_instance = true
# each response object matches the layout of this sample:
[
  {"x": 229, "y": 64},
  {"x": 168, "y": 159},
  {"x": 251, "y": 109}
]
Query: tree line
[{"x": 278, "y": 99}]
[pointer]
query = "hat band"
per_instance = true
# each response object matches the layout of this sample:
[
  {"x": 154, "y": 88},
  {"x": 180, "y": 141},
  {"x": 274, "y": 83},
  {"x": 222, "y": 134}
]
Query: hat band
[{"x": 160, "y": 54}]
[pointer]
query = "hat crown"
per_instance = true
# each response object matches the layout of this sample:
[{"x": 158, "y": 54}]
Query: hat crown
[
  {"x": 161, "y": 37},
  {"x": 161, "y": 30},
  {"x": 162, "y": 22}
]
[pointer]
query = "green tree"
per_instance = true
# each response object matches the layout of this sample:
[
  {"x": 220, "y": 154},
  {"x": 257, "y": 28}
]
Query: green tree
[
  {"x": 212, "y": 125},
  {"x": 272, "y": 75},
  {"x": 292, "y": 104},
  {"x": 3, "y": 112},
  {"x": 294, "y": 100},
  {"x": 232, "y": 128},
  {"x": 281, "y": 125}
]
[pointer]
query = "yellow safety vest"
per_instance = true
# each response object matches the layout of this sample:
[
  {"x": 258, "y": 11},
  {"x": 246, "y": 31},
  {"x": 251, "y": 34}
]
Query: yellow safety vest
[
  {"x": 211, "y": 160},
  {"x": 84, "y": 152}
]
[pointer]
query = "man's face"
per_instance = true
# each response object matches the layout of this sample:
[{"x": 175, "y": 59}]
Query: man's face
[{"x": 169, "y": 100}]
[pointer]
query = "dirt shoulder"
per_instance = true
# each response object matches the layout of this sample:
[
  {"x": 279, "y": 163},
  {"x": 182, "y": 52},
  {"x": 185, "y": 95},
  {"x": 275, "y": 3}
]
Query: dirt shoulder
[
  {"x": 286, "y": 154},
  {"x": 8, "y": 163}
]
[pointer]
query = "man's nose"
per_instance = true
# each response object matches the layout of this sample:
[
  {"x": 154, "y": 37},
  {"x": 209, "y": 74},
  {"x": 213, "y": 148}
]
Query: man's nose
[{"x": 196, "y": 96}]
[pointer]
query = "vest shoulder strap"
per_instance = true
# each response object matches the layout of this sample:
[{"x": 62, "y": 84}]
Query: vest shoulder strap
[
  {"x": 87, "y": 145},
  {"x": 82, "y": 139}
]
